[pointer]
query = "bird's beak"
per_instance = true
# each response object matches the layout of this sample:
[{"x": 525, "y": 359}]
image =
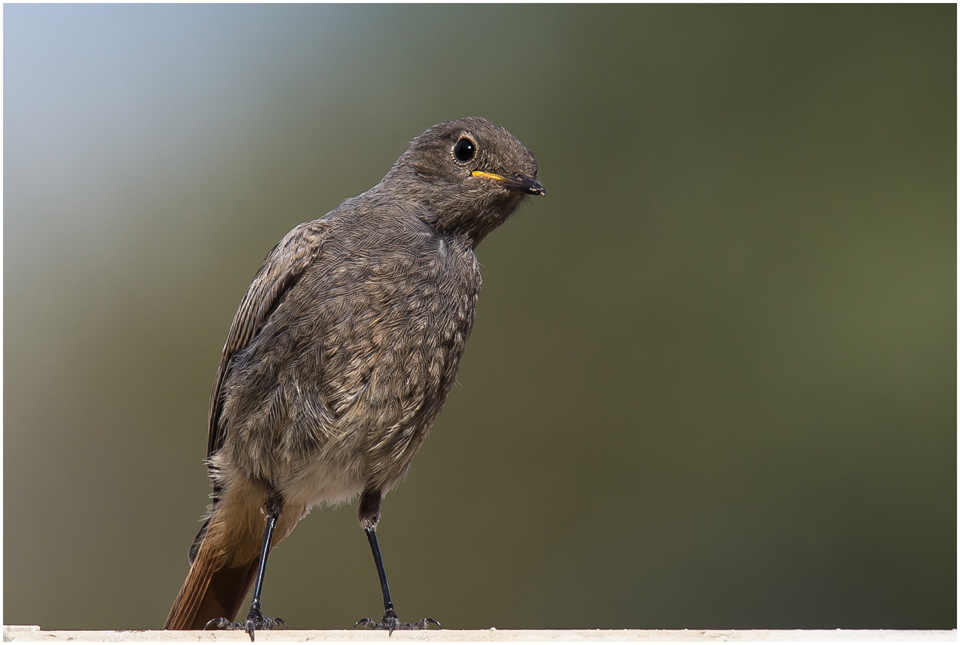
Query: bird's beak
[{"x": 518, "y": 181}]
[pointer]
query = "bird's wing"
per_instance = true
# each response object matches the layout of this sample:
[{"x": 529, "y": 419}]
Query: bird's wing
[{"x": 280, "y": 271}]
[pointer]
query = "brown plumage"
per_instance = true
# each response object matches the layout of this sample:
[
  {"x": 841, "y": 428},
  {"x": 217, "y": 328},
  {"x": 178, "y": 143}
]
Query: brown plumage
[{"x": 341, "y": 356}]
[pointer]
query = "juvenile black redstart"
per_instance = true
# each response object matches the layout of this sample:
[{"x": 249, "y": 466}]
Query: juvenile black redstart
[{"x": 341, "y": 356}]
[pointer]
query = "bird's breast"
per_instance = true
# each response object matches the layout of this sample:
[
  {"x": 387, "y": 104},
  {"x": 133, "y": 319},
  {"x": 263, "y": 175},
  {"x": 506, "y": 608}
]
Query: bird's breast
[{"x": 408, "y": 319}]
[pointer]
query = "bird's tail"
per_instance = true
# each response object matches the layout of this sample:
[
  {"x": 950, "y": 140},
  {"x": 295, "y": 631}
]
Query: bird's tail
[{"x": 218, "y": 580}]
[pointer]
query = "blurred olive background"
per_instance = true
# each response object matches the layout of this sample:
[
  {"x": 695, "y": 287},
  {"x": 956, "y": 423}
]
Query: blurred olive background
[{"x": 712, "y": 382}]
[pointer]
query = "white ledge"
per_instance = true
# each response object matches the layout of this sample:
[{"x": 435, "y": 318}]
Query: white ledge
[{"x": 32, "y": 633}]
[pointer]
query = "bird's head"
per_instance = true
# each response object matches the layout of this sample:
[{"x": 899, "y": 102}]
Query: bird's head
[{"x": 467, "y": 175}]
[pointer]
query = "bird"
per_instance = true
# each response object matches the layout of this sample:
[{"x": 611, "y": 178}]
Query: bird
[{"x": 340, "y": 357}]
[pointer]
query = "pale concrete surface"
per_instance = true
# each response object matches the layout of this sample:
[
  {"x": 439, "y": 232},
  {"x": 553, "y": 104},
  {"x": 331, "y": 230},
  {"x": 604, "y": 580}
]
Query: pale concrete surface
[{"x": 32, "y": 633}]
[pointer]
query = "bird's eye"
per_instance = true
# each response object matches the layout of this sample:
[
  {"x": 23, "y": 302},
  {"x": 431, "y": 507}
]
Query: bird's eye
[{"x": 465, "y": 150}]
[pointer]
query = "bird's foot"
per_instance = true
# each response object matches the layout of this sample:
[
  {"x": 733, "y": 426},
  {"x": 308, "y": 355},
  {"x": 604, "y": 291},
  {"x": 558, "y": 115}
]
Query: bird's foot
[
  {"x": 255, "y": 620},
  {"x": 390, "y": 622}
]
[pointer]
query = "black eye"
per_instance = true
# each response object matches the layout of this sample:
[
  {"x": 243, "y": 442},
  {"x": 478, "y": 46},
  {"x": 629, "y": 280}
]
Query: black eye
[{"x": 464, "y": 150}]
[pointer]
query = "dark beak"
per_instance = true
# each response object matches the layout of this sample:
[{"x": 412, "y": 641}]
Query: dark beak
[{"x": 519, "y": 181}]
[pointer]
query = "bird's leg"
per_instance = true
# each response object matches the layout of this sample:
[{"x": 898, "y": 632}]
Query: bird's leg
[
  {"x": 255, "y": 618},
  {"x": 369, "y": 516}
]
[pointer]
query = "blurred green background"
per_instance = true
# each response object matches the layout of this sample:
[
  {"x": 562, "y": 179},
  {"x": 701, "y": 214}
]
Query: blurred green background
[{"x": 712, "y": 381}]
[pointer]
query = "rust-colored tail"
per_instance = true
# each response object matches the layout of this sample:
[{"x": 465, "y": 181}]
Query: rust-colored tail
[{"x": 213, "y": 588}]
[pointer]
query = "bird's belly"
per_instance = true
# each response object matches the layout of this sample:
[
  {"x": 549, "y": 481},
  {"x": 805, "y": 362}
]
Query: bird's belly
[{"x": 324, "y": 480}]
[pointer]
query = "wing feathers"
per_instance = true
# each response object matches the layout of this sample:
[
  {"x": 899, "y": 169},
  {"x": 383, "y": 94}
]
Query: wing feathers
[{"x": 281, "y": 270}]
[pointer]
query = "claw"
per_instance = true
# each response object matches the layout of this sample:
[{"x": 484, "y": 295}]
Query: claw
[
  {"x": 218, "y": 623},
  {"x": 255, "y": 620},
  {"x": 390, "y": 622}
]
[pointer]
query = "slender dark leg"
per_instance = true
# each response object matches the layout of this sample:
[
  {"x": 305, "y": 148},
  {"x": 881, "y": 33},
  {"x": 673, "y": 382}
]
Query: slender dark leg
[
  {"x": 255, "y": 618},
  {"x": 369, "y": 516},
  {"x": 388, "y": 609}
]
